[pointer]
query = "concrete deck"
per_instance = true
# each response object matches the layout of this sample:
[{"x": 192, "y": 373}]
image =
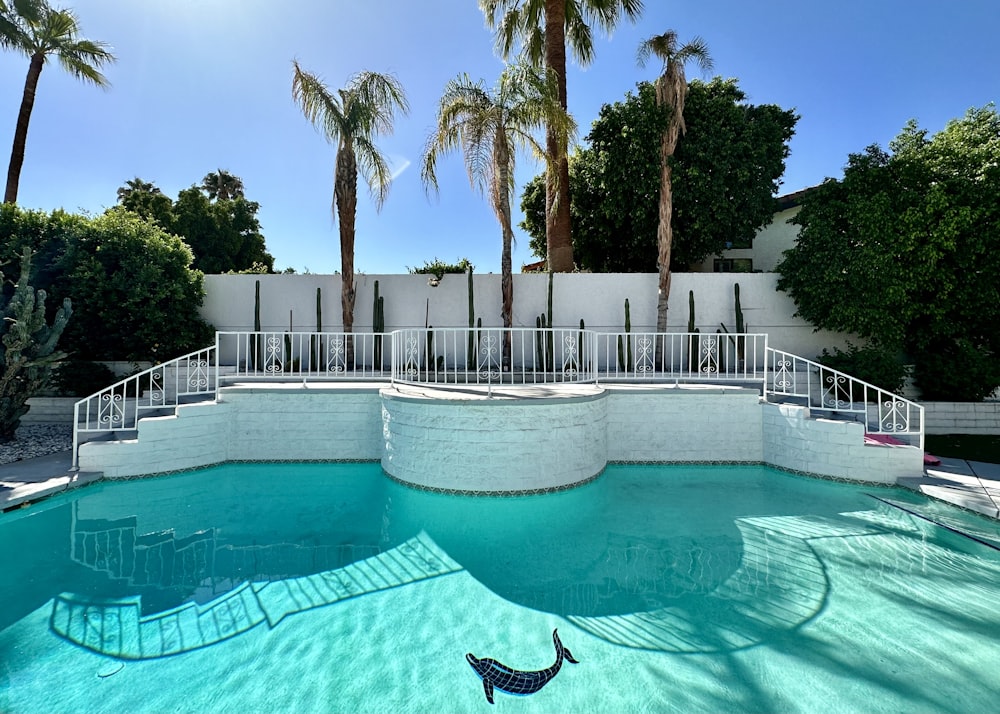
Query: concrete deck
[
  {"x": 28, "y": 480},
  {"x": 973, "y": 485}
]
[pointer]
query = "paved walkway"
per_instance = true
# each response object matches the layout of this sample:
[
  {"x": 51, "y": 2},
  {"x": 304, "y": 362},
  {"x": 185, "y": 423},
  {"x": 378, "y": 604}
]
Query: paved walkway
[{"x": 971, "y": 484}]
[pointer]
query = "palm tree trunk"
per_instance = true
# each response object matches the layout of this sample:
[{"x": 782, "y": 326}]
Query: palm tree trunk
[
  {"x": 345, "y": 191},
  {"x": 558, "y": 230},
  {"x": 502, "y": 199},
  {"x": 664, "y": 229},
  {"x": 21, "y": 130}
]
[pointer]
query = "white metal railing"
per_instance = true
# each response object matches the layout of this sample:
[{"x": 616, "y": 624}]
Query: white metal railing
[
  {"x": 120, "y": 406},
  {"x": 825, "y": 389},
  {"x": 497, "y": 355},
  {"x": 681, "y": 356},
  {"x": 305, "y": 355},
  {"x": 493, "y": 355}
]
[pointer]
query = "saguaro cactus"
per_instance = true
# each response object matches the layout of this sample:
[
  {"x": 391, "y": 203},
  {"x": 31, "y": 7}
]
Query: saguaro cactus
[{"x": 27, "y": 348}]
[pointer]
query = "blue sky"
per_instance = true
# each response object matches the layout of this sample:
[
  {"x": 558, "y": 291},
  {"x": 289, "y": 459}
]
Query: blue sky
[{"x": 206, "y": 84}]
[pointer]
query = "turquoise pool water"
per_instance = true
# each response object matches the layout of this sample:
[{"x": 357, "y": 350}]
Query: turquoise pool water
[{"x": 330, "y": 588}]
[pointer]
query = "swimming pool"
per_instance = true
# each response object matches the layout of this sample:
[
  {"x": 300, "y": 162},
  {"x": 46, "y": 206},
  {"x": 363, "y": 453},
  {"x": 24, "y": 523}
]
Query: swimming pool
[{"x": 329, "y": 587}]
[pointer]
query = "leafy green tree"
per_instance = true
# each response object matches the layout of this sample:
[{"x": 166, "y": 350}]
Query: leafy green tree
[
  {"x": 542, "y": 29},
  {"x": 725, "y": 172},
  {"x": 222, "y": 185},
  {"x": 135, "y": 297},
  {"x": 147, "y": 200},
  {"x": 904, "y": 251},
  {"x": 671, "y": 92},
  {"x": 224, "y": 234},
  {"x": 41, "y": 32},
  {"x": 490, "y": 126},
  {"x": 27, "y": 348},
  {"x": 352, "y": 119},
  {"x": 136, "y": 294}
]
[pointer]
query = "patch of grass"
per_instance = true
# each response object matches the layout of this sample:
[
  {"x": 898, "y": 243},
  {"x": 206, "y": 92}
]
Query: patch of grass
[{"x": 971, "y": 447}]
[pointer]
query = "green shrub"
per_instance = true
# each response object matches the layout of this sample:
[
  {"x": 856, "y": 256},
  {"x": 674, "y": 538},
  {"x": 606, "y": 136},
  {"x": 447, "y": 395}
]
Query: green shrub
[
  {"x": 874, "y": 365},
  {"x": 80, "y": 378},
  {"x": 138, "y": 297},
  {"x": 958, "y": 371},
  {"x": 135, "y": 296}
]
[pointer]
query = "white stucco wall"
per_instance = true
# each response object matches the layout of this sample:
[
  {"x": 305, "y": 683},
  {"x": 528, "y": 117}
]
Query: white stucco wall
[{"x": 597, "y": 298}]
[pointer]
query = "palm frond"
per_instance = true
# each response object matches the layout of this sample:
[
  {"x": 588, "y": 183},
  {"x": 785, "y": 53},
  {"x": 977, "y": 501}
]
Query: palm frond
[
  {"x": 373, "y": 168},
  {"x": 375, "y": 100},
  {"x": 83, "y": 59},
  {"x": 319, "y": 105},
  {"x": 579, "y": 36},
  {"x": 608, "y": 13}
]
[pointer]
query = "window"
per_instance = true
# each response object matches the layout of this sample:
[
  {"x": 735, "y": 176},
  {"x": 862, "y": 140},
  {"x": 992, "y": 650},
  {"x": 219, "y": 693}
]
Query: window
[{"x": 732, "y": 265}]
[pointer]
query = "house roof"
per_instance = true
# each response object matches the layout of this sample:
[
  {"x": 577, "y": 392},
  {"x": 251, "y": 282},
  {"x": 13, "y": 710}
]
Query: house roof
[{"x": 791, "y": 200}]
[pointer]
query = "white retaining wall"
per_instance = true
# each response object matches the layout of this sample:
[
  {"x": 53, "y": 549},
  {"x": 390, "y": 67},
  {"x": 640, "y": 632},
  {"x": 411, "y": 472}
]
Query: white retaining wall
[
  {"x": 793, "y": 440},
  {"x": 471, "y": 446},
  {"x": 962, "y": 418},
  {"x": 684, "y": 424},
  {"x": 597, "y": 298}
]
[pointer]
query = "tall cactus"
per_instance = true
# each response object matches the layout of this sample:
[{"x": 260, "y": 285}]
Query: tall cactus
[
  {"x": 378, "y": 325},
  {"x": 315, "y": 343},
  {"x": 625, "y": 345},
  {"x": 694, "y": 343},
  {"x": 27, "y": 348},
  {"x": 545, "y": 342},
  {"x": 255, "y": 346},
  {"x": 739, "y": 340}
]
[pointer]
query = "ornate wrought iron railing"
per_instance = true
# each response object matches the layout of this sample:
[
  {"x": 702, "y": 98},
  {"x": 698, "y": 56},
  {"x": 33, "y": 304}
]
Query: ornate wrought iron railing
[
  {"x": 827, "y": 390},
  {"x": 120, "y": 406},
  {"x": 681, "y": 357},
  {"x": 305, "y": 355},
  {"x": 493, "y": 355}
]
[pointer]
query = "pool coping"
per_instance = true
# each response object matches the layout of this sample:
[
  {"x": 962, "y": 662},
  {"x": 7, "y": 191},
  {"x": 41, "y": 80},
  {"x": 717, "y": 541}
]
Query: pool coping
[{"x": 970, "y": 485}]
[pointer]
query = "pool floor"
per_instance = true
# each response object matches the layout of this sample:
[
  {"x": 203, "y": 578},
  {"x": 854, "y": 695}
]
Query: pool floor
[{"x": 676, "y": 589}]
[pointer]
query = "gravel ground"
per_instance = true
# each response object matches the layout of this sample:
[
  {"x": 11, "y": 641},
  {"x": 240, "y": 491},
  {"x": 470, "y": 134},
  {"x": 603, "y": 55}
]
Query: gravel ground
[{"x": 37, "y": 440}]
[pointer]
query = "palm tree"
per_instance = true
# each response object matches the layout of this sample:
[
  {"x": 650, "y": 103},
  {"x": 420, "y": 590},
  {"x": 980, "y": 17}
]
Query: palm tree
[
  {"x": 41, "y": 33},
  {"x": 222, "y": 185},
  {"x": 136, "y": 185},
  {"x": 671, "y": 91},
  {"x": 489, "y": 126},
  {"x": 352, "y": 119},
  {"x": 10, "y": 10},
  {"x": 543, "y": 27}
]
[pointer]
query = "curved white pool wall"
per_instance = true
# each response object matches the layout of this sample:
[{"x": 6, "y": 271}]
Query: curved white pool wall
[
  {"x": 494, "y": 445},
  {"x": 517, "y": 445}
]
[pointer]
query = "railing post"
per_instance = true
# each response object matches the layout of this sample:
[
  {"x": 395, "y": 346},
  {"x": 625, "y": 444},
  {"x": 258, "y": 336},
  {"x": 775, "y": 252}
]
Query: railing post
[
  {"x": 75, "y": 466},
  {"x": 766, "y": 366},
  {"x": 218, "y": 359}
]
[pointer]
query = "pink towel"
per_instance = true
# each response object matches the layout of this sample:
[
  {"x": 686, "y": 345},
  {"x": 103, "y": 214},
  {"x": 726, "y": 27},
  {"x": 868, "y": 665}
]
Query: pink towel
[{"x": 889, "y": 440}]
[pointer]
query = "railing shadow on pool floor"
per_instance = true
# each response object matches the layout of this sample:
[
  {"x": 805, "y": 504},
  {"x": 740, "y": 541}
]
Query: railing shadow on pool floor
[
  {"x": 780, "y": 585},
  {"x": 118, "y": 629}
]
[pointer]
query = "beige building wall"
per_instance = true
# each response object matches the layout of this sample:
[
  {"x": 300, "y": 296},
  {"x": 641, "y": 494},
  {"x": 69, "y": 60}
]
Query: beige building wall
[{"x": 768, "y": 245}]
